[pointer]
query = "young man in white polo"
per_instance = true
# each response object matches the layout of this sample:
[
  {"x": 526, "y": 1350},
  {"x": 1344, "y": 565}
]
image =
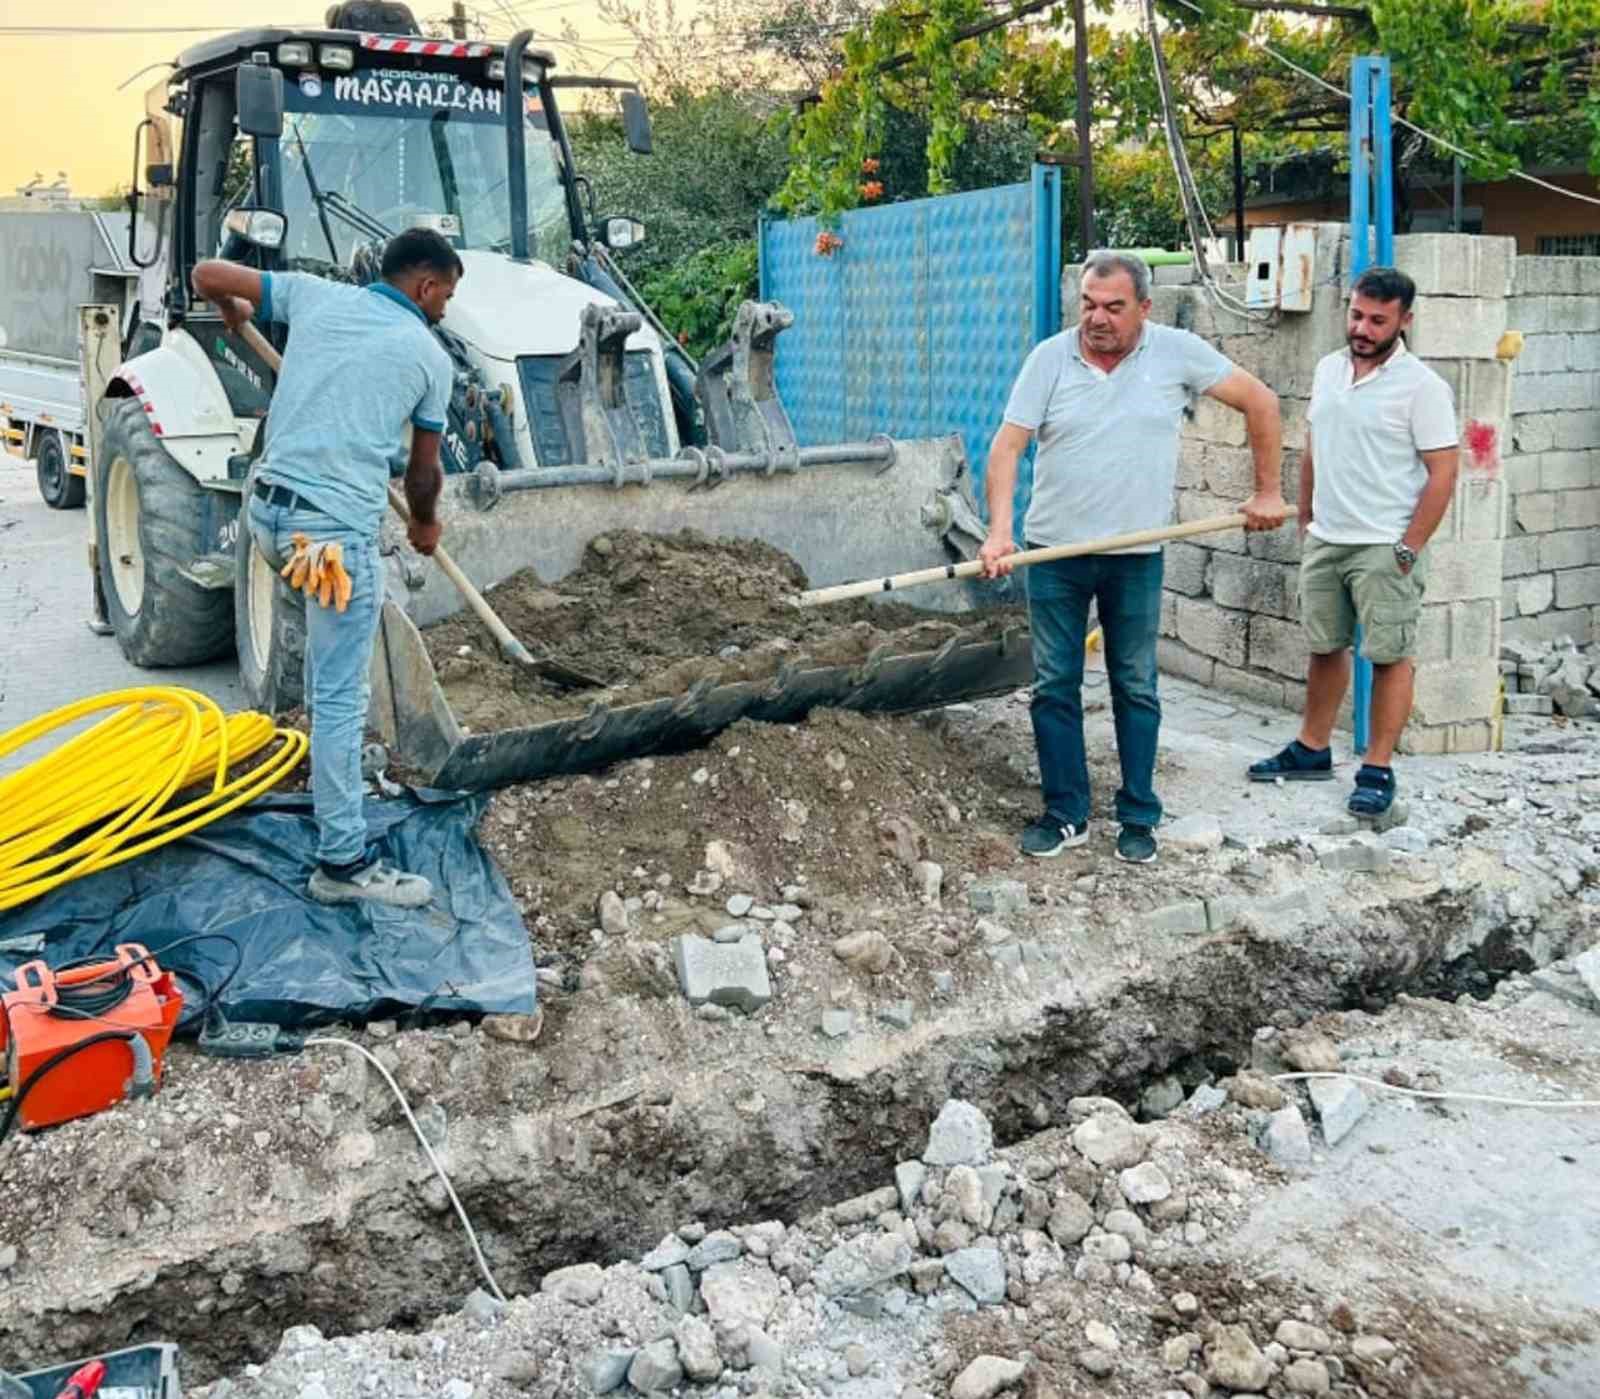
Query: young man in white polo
[{"x": 1377, "y": 476}]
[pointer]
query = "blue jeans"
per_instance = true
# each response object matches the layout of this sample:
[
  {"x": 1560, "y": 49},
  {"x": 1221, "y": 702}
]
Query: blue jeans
[
  {"x": 338, "y": 685},
  {"x": 1126, "y": 591}
]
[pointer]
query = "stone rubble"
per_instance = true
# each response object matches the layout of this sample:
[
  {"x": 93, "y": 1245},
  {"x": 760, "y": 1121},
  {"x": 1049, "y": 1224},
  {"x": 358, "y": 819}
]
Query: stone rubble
[{"x": 856, "y": 1301}]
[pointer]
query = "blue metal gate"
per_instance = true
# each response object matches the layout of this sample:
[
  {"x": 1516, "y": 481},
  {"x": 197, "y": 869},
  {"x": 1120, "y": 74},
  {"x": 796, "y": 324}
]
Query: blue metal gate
[{"x": 918, "y": 324}]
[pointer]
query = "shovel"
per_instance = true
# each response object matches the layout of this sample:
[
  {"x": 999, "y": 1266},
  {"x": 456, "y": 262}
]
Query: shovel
[
  {"x": 973, "y": 569},
  {"x": 513, "y": 650}
]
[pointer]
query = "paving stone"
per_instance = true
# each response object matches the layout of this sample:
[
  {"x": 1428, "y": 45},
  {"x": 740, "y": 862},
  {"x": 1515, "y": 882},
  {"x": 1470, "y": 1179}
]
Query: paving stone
[{"x": 724, "y": 974}]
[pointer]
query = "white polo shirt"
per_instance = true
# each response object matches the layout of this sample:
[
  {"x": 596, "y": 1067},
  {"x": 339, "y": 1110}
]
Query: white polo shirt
[{"x": 1367, "y": 440}]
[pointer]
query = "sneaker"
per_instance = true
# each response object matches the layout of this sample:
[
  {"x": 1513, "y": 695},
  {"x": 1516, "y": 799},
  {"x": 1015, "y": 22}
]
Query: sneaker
[
  {"x": 1136, "y": 845},
  {"x": 1296, "y": 763},
  {"x": 1374, "y": 793},
  {"x": 377, "y": 883},
  {"x": 1046, "y": 838}
]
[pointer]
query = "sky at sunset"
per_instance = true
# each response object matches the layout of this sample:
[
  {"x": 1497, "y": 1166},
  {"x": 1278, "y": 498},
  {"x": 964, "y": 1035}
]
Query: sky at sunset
[{"x": 63, "y": 110}]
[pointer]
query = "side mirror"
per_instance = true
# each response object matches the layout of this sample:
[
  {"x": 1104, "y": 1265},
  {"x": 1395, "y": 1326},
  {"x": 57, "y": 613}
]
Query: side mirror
[
  {"x": 258, "y": 96},
  {"x": 619, "y": 233},
  {"x": 263, "y": 228},
  {"x": 636, "y": 121}
]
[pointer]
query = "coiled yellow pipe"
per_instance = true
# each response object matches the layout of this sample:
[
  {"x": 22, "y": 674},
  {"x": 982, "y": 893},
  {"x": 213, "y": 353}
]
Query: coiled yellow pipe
[{"x": 105, "y": 795}]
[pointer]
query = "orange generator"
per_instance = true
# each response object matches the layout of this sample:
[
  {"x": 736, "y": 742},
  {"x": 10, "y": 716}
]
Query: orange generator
[{"x": 78, "y": 1039}]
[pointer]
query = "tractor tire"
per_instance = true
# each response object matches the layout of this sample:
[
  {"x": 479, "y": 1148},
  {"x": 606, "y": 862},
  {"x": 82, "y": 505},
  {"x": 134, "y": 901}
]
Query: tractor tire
[
  {"x": 52, "y": 461},
  {"x": 147, "y": 514},
  {"x": 269, "y": 626}
]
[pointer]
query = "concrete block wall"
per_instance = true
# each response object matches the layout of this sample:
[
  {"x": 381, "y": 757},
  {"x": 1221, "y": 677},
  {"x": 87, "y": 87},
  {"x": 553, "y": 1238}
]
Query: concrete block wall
[
  {"x": 1231, "y": 614},
  {"x": 1552, "y": 471}
]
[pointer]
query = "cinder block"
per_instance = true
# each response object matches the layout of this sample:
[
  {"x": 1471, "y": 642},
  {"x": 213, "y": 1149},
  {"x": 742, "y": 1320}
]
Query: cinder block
[
  {"x": 1253, "y": 585},
  {"x": 1433, "y": 634},
  {"x": 1574, "y": 314},
  {"x": 1476, "y": 736},
  {"x": 1533, "y": 432},
  {"x": 1185, "y": 568},
  {"x": 1520, "y": 555},
  {"x": 1521, "y": 472},
  {"x": 1177, "y": 659},
  {"x": 1547, "y": 626},
  {"x": 1230, "y": 472},
  {"x": 1567, "y": 548},
  {"x": 1169, "y": 614},
  {"x": 1458, "y": 327},
  {"x": 1418, "y": 740},
  {"x": 1454, "y": 691},
  {"x": 1216, "y": 422},
  {"x": 1475, "y": 630},
  {"x": 1544, "y": 276},
  {"x": 1535, "y": 594},
  {"x": 1545, "y": 354},
  {"x": 1569, "y": 471},
  {"x": 1508, "y": 600},
  {"x": 1457, "y": 264},
  {"x": 1588, "y": 275},
  {"x": 1261, "y": 689},
  {"x": 1578, "y": 509},
  {"x": 1277, "y": 546},
  {"x": 1191, "y": 466},
  {"x": 1213, "y": 631},
  {"x": 1278, "y": 646},
  {"x": 1578, "y": 587},
  {"x": 1478, "y": 509},
  {"x": 1583, "y": 351},
  {"x": 1459, "y": 570},
  {"x": 1529, "y": 314},
  {"x": 1535, "y": 513},
  {"x": 1202, "y": 505},
  {"x": 1577, "y": 430}
]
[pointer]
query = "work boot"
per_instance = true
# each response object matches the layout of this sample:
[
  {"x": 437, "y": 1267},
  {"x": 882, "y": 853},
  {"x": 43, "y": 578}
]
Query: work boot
[{"x": 373, "y": 881}]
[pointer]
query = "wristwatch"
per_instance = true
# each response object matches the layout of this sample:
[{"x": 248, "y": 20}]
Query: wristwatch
[{"x": 1405, "y": 555}]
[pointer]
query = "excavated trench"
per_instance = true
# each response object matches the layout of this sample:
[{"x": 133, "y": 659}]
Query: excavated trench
[{"x": 602, "y": 1176}]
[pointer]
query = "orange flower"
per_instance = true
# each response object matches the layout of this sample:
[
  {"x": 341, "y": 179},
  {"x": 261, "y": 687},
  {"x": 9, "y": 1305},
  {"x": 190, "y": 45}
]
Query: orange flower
[
  {"x": 827, "y": 244},
  {"x": 869, "y": 166},
  {"x": 872, "y": 189}
]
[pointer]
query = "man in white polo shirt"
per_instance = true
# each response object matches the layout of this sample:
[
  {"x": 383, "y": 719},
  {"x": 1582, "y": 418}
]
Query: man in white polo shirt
[
  {"x": 1106, "y": 399},
  {"x": 1376, "y": 478}
]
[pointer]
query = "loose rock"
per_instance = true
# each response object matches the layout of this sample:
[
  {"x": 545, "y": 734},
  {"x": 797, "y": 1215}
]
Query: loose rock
[
  {"x": 987, "y": 1376},
  {"x": 960, "y": 1136}
]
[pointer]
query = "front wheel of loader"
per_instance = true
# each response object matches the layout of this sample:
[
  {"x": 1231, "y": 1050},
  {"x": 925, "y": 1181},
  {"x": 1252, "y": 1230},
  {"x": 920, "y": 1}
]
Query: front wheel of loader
[
  {"x": 147, "y": 521},
  {"x": 270, "y": 626}
]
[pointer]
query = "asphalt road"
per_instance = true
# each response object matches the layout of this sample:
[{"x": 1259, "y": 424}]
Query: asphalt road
[{"x": 48, "y": 655}]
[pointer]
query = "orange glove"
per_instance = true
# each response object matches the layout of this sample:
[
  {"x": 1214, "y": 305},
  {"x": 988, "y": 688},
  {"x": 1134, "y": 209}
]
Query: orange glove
[{"x": 318, "y": 571}]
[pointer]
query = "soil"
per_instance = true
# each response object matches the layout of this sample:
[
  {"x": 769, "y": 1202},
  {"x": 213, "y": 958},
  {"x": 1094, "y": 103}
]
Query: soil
[{"x": 649, "y": 615}]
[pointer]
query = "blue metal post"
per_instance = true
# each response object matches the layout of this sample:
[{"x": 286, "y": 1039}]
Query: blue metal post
[
  {"x": 1371, "y": 214},
  {"x": 1046, "y": 251}
]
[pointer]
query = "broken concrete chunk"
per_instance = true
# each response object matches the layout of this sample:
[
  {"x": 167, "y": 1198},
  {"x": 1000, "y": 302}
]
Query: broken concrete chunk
[
  {"x": 1307, "y": 1377},
  {"x": 1000, "y": 896},
  {"x": 986, "y": 1377},
  {"x": 837, "y": 1024},
  {"x": 1374, "y": 1350},
  {"x": 1340, "y": 1104},
  {"x": 960, "y": 1136},
  {"x": 697, "y": 1350},
  {"x": 580, "y": 1285},
  {"x": 909, "y": 1177},
  {"x": 717, "y": 1247},
  {"x": 1111, "y": 1143},
  {"x": 1287, "y": 1142},
  {"x": 740, "y": 1294},
  {"x": 862, "y": 1263},
  {"x": 724, "y": 974},
  {"x": 981, "y": 1272},
  {"x": 655, "y": 1369},
  {"x": 1144, "y": 1184},
  {"x": 1255, "y": 1090},
  {"x": 1233, "y": 1361},
  {"x": 1312, "y": 1054},
  {"x": 605, "y": 1370},
  {"x": 1298, "y": 1335},
  {"x": 1361, "y": 854},
  {"x": 898, "y": 1014},
  {"x": 613, "y": 915},
  {"x": 868, "y": 951},
  {"x": 1199, "y": 832},
  {"x": 670, "y": 1250}
]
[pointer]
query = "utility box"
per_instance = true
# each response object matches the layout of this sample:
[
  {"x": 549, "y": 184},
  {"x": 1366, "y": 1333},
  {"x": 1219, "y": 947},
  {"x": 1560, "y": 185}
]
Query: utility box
[{"x": 1280, "y": 267}]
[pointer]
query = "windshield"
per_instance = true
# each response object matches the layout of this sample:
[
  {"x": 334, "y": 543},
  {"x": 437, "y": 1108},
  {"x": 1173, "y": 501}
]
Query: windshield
[{"x": 368, "y": 154}]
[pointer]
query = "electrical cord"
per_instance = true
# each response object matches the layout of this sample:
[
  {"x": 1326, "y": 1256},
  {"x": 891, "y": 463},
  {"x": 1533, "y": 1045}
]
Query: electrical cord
[
  {"x": 444, "y": 1179},
  {"x": 60, "y": 1057},
  {"x": 1569, "y": 1106}
]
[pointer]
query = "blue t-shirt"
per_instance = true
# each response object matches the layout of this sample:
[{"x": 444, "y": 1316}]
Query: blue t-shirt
[{"x": 361, "y": 362}]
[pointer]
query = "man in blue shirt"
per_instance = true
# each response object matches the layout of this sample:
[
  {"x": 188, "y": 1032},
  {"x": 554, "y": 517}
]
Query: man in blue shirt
[{"x": 361, "y": 364}]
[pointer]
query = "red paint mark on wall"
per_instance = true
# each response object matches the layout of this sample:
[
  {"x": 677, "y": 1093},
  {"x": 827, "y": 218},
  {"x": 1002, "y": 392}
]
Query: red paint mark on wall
[{"x": 1483, "y": 448}]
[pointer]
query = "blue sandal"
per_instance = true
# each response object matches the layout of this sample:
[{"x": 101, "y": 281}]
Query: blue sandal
[
  {"x": 1296, "y": 763},
  {"x": 1374, "y": 793}
]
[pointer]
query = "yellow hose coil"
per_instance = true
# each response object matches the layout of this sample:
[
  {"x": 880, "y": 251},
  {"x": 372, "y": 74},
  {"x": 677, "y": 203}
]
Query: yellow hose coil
[{"x": 103, "y": 796}]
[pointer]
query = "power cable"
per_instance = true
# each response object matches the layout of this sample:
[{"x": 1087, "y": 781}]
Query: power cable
[
  {"x": 1438, "y": 140},
  {"x": 444, "y": 1178}
]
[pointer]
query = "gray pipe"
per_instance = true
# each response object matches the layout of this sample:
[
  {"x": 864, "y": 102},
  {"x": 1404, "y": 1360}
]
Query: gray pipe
[{"x": 692, "y": 465}]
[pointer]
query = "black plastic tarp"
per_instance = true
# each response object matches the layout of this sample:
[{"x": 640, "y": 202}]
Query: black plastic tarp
[{"x": 304, "y": 963}]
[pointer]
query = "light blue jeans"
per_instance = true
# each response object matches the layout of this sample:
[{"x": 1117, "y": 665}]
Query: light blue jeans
[{"x": 337, "y": 680}]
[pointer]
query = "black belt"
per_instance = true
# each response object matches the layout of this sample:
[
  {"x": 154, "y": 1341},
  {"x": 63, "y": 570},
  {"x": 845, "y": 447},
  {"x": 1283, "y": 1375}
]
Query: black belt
[{"x": 282, "y": 495}]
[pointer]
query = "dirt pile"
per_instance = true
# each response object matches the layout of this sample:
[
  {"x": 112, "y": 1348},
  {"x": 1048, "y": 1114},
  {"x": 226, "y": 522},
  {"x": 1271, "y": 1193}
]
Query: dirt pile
[{"x": 649, "y": 615}]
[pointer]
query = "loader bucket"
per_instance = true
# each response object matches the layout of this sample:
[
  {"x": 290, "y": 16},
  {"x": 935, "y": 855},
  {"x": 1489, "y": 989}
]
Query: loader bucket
[{"x": 842, "y": 514}]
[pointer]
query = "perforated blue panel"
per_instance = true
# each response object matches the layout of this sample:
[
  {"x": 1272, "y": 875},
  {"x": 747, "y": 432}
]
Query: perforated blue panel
[{"x": 918, "y": 325}]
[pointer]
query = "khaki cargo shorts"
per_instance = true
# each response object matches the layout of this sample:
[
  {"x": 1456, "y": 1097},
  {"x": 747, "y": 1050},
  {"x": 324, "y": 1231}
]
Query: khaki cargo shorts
[{"x": 1342, "y": 584}]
